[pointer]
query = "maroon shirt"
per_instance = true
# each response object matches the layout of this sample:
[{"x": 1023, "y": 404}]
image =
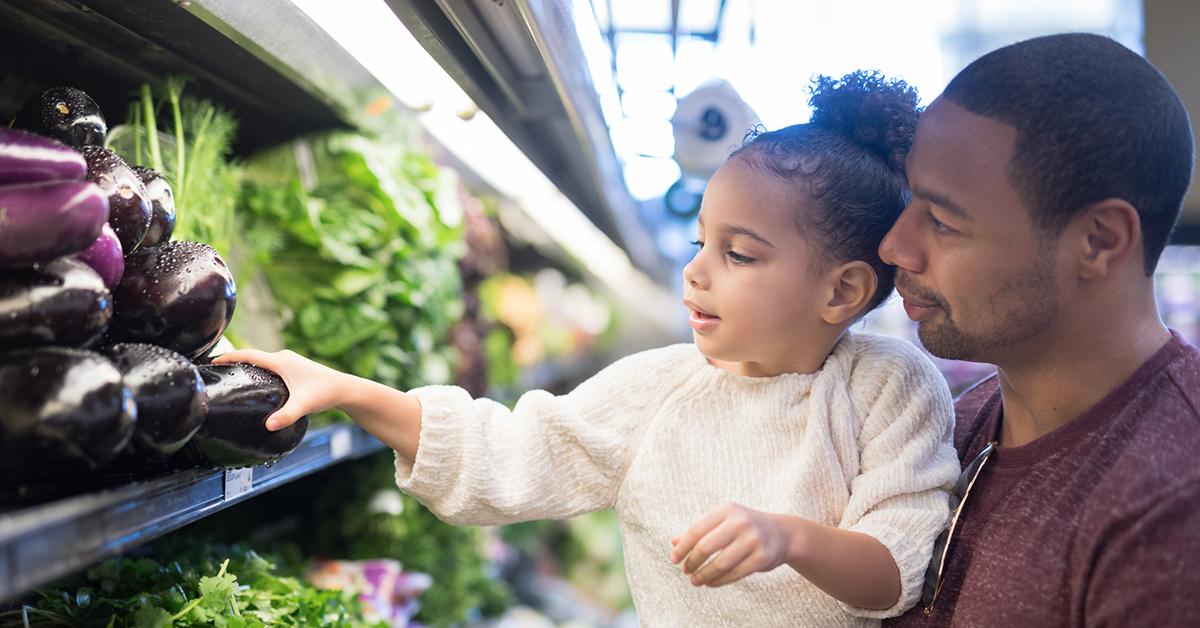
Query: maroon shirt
[{"x": 1094, "y": 524}]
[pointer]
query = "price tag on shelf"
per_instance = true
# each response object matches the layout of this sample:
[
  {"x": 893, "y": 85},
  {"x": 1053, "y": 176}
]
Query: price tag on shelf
[
  {"x": 238, "y": 482},
  {"x": 340, "y": 444}
]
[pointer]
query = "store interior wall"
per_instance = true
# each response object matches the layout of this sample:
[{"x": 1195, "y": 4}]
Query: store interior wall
[{"x": 1172, "y": 46}]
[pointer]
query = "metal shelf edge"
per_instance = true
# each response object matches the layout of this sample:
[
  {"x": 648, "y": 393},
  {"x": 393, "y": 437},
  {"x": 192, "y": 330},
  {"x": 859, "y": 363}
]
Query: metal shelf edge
[{"x": 44, "y": 542}]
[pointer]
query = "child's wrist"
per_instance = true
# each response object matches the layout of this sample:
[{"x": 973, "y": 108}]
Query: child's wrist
[{"x": 799, "y": 540}]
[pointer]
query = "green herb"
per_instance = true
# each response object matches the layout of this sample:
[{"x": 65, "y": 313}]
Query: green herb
[{"x": 199, "y": 585}]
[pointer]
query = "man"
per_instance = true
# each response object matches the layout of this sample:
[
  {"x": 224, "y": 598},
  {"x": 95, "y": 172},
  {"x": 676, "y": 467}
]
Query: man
[{"x": 1046, "y": 180}]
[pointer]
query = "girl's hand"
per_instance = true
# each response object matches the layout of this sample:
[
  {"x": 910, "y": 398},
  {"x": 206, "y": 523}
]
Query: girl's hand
[
  {"x": 312, "y": 387},
  {"x": 744, "y": 541}
]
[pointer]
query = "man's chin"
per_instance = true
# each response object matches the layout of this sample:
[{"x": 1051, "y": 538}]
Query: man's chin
[{"x": 945, "y": 341}]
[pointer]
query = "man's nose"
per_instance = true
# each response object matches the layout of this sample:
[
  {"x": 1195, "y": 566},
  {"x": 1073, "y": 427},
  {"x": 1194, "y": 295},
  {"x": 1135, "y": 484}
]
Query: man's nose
[{"x": 900, "y": 246}]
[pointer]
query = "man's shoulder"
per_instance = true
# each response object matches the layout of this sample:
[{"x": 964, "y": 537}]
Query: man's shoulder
[{"x": 973, "y": 410}]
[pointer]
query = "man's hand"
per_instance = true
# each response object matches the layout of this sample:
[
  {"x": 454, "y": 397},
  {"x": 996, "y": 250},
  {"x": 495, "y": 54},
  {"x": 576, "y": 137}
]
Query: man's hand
[
  {"x": 738, "y": 540},
  {"x": 312, "y": 387}
]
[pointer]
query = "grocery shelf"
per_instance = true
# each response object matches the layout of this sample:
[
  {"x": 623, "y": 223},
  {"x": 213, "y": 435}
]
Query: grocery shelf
[
  {"x": 44, "y": 542},
  {"x": 266, "y": 61}
]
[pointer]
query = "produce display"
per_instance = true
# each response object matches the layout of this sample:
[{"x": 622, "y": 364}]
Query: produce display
[
  {"x": 61, "y": 410},
  {"x": 352, "y": 245},
  {"x": 171, "y": 398},
  {"x": 240, "y": 398},
  {"x": 190, "y": 583},
  {"x": 103, "y": 315}
]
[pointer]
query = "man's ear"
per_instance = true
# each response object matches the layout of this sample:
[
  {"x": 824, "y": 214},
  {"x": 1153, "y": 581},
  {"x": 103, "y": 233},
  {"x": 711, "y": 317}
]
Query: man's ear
[
  {"x": 853, "y": 286},
  {"x": 1109, "y": 235}
]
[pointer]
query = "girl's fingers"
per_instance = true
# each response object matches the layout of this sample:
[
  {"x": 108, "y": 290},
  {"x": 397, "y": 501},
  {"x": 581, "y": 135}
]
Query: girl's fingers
[
  {"x": 688, "y": 539},
  {"x": 727, "y": 560},
  {"x": 743, "y": 569},
  {"x": 248, "y": 356},
  {"x": 282, "y": 418},
  {"x": 709, "y": 544}
]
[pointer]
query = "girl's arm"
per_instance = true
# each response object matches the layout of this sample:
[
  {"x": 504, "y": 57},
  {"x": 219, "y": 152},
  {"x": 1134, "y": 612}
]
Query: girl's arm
[
  {"x": 850, "y": 566},
  {"x": 388, "y": 414}
]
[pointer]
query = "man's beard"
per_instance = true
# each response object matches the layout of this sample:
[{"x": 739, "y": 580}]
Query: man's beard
[{"x": 1018, "y": 310}]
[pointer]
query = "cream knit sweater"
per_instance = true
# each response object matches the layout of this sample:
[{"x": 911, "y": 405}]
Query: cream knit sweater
[{"x": 662, "y": 436}]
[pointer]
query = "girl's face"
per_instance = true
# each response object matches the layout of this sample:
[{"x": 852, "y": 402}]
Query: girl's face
[{"x": 756, "y": 288}]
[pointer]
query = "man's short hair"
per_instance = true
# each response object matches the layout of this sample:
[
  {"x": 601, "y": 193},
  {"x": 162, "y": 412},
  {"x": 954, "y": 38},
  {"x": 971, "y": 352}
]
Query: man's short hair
[{"x": 1094, "y": 120}]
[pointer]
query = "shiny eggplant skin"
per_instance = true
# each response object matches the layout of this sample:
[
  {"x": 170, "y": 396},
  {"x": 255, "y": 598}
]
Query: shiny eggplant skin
[
  {"x": 61, "y": 411},
  {"x": 162, "y": 204},
  {"x": 178, "y": 295},
  {"x": 129, "y": 205},
  {"x": 30, "y": 158},
  {"x": 42, "y": 221},
  {"x": 60, "y": 303},
  {"x": 170, "y": 395},
  {"x": 240, "y": 398},
  {"x": 105, "y": 257},
  {"x": 65, "y": 114}
]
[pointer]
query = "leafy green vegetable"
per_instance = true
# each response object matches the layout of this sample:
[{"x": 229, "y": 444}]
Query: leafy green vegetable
[
  {"x": 244, "y": 590},
  {"x": 364, "y": 262}
]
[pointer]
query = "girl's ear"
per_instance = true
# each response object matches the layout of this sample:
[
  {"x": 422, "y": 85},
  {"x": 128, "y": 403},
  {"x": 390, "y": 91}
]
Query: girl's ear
[{"x": 853, "y": 286}]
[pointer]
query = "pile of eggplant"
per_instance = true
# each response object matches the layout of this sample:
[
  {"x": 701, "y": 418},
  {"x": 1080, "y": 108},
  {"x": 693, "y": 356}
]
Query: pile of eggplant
[{"x": 106, "y": 324}]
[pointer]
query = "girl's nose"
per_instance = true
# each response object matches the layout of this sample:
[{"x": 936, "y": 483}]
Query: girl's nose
[{"x": 693, "y": 274}]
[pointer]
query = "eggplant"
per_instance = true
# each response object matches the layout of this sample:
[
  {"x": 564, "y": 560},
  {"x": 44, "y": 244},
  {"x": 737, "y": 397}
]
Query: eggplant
[
  {"x": 170, "y": 396},
  {"x": 43, "y": 221},
  {"x": 61, "y": 410},
  {"x": 129, "y": 204},
  {"x": 105, "y": 257},
  {"x": 60, "y": 303},
  {"x": 162, "y": 206},
  {"x": 178, "y": 295},
  {"x": 65, "y": 114},
  {"x": 29, "y": 158},
  {"x": 235, "y": 434}
]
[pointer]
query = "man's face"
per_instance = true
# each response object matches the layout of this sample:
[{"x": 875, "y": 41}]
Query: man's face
[{"x": 972, "y": 268}]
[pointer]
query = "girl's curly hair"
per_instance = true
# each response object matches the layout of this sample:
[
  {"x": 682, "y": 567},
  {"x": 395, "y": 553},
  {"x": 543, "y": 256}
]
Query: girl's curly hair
[{"x": 847, "y": 164}]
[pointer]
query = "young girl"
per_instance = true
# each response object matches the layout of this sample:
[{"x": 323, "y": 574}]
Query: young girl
[{"x": 780, "y": 470}]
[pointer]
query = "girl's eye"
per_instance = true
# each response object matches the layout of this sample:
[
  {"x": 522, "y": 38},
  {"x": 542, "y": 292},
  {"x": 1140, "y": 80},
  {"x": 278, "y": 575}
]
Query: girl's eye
[
  {"x": 698, "y": 243},
  {"x": 739, "y": 259}
]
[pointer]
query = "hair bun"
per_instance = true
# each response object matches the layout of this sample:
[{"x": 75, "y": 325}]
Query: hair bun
[{"x": 874, "y": 112}]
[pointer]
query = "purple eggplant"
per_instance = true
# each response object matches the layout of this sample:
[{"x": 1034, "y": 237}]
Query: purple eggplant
[
  {"x": 129, "y": 204},
  {"x": 178, "y": 295},
  {"x": 29, "y": 158},
  {"x": 43, "y": 221},
  {"x": 66, "y": 114},
  {"x": 162, "y": 203},
  {"x": 61, "y": 410},
  {"x": 234, "y": 434},
  {"x": 105, "y": 257},
  {"x": 60, "y": 303},
  {"x": 170, "y": 396}
]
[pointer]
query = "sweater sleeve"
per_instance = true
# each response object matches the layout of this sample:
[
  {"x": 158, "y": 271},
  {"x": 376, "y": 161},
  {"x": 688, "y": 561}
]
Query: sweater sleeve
[
  {"x": 907, "y": 466},
  {"x": 478, "y": 463}
]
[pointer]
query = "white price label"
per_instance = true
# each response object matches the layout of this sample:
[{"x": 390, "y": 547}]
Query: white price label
[
  {"x": 238, "y": 482},
  {"x": 340, "y": 444}
]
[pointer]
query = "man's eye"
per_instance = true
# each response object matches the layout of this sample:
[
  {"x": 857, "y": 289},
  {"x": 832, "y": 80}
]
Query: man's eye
[{"x": 938, "y": 225}]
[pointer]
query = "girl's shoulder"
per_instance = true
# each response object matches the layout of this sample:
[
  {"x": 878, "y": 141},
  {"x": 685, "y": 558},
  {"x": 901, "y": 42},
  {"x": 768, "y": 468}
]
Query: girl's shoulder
[
  {"x": 660, "y": 361},
  {"x": 887, "y": 356}
]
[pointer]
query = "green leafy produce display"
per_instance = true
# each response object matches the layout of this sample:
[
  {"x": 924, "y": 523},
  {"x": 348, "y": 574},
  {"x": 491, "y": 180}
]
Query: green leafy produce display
[
  {"x": 199, "y": 585},
  {"x": 363, "y": 268},
  {"x": 361, "y": 515}
]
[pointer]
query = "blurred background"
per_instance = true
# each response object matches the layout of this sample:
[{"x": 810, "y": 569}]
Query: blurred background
[{"x": 494, "y": 193}]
